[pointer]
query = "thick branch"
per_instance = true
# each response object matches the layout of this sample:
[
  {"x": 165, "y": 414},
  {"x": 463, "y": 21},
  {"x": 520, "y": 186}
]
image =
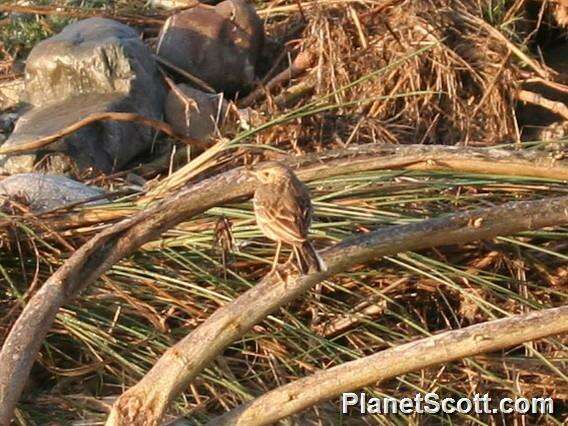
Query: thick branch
[
  {"x": 300, "y": 65},
  {"x": 122, "y": 239},
  {"x": 537, "y": 99},
  {"x": 146, "y": 402},
  {"x": 446, "y": 347},
  {"x": 93, "y": 118}
]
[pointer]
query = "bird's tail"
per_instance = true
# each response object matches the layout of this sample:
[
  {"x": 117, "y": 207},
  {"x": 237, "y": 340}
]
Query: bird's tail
[{"x": 307, "y": 256}]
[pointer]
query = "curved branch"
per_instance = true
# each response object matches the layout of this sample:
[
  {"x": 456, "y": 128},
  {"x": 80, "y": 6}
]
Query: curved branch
[
  {"x": 93, "y": 118},
  {"x": 300, "y": 65},
  {"x": 379, "y": 157},
  {"x": 145, "y": 403},
  {"x": 121, "y": 239},
  {"x": 446, "y": 347}
]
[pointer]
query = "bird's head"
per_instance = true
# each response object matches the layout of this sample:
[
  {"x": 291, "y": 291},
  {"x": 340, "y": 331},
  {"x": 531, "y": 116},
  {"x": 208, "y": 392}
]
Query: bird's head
[{"x": 272, "y": 172}]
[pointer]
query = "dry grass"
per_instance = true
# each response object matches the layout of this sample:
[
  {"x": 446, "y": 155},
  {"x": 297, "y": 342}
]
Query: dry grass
[{"x": 387, "y": 71}]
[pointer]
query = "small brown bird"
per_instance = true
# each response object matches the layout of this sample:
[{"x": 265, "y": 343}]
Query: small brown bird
[{"x": 283, "y": 212}]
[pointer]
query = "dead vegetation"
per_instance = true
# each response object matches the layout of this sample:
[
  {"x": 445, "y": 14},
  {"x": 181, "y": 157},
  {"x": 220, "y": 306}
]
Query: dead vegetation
[{"x": 401, "y": 72}]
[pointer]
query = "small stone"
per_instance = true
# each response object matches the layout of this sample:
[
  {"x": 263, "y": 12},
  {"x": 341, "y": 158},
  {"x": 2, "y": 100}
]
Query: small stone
[
  {"x": 218, "y": 44},
  {"x": 7, "y": 122},
  {"x": 47, "y": 192},
  {"x": 194, "y": 113}
]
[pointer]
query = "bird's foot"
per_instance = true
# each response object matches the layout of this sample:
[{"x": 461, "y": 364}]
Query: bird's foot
[{"x": 276, "y": 271}]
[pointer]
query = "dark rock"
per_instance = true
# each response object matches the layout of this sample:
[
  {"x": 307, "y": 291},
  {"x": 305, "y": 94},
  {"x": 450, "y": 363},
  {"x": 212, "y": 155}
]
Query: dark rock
[
  {"x": 94, "y": 65},
  {"x": 7, "y": 121},
  {"x": 218, "y": 44},
  {"x": 47, "y": 192},
  {"x": 194, "y": 113}
]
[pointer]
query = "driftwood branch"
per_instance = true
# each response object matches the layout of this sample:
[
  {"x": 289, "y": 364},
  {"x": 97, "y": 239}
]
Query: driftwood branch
[
  {"x": 533, "y": 98},
  {"x": 146, "y": 402},
  {"x": 446, "y": 347},
  {"x": 93, "y": 118},
  {"x": 121, "y": 239},
  {"x": 300, "y": 65},
  {"x": 375, "y": 157}
]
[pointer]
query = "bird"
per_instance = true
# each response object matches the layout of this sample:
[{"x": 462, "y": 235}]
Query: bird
[{"x": 283, "y": 211}]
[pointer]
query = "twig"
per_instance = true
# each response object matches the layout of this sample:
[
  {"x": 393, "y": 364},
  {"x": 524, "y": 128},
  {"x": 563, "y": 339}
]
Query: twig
[
  {"x": 340, "y": 324},
  {"x": 357, "y": 22},
  {"x": 307, "y": 5},
  {"x": 540, "y": 70},
  {"x": 555, "y": 107},
  {"x": 101, "y": 116},
  {"x": 302, "y": 63},
  {"x": 446, "y": 347},
  {"x": 95, "y": 257},
  {"x": 146, "y": 402},
  {"x": 552, "y": 84},
  {"x": 195, "y": 80}
]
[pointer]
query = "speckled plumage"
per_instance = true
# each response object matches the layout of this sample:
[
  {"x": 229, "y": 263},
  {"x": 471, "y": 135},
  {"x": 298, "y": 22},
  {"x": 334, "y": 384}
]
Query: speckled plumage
[{"x": 283, "y": 211}]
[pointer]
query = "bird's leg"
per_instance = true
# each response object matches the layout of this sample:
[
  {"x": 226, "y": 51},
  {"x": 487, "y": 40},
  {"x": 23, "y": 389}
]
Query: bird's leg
[
  {"x": 275, "y": 269},
  {"x": 292, "y": 254},
  {"x": 303, "y": 265},
  {"x": 276, "y": 257}
]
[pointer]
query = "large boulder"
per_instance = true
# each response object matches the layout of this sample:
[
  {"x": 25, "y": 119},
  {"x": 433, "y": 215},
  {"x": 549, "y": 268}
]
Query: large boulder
[
  {"x": 218, "y": 44},
  {"x": 194, "y": 113},
  {"x": 92, "y": 66},
  {"x": 47, "y": 192}
]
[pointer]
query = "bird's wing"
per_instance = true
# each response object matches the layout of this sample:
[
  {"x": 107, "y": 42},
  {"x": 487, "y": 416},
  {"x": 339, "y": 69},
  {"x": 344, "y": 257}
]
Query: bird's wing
[{"x": 288, "y": 217}]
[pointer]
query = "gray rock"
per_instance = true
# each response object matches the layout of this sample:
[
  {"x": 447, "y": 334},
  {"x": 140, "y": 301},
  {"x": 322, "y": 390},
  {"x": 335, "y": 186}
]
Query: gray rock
[
  {"x": 94, "y": 65},
  {"x": 7, "y": 121},
  {"x": 47, "y": 192},
  {"x": 11, "y": 93},
  {"x": 218, "y": 44},
  {"x": 194, "y": 113}
]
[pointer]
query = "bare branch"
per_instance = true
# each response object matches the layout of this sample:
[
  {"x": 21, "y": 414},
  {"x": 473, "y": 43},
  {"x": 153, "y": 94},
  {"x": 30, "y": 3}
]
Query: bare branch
[
  {"x": 145, "y": 403},
  {"x": 446, "y": 347},
  {"x": 378, "y": 157},
  {"x": 121, "y": 239},
  {"x": 555, "y": 107},
  {"x": 195, "y": 80},
  {"x": 101, "y": 116},
  {"x": 302, "y": 62}
]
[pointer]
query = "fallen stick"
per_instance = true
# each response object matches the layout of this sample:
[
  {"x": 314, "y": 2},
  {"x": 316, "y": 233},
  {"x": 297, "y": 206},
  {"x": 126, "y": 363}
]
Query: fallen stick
[
  {"x": 446, "y": 347},
  {"x": 93, "y": 118},
  {"x": 145, "y": 403},
  {"x": 195, "y": 80},
  {"x": 376, "y": 157},
  {"x": 105, "y": 249},
  {"x": 533, "y": 98},
  {"x": 300, "y": 65},
  {"x": 542, "y": 72}
]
